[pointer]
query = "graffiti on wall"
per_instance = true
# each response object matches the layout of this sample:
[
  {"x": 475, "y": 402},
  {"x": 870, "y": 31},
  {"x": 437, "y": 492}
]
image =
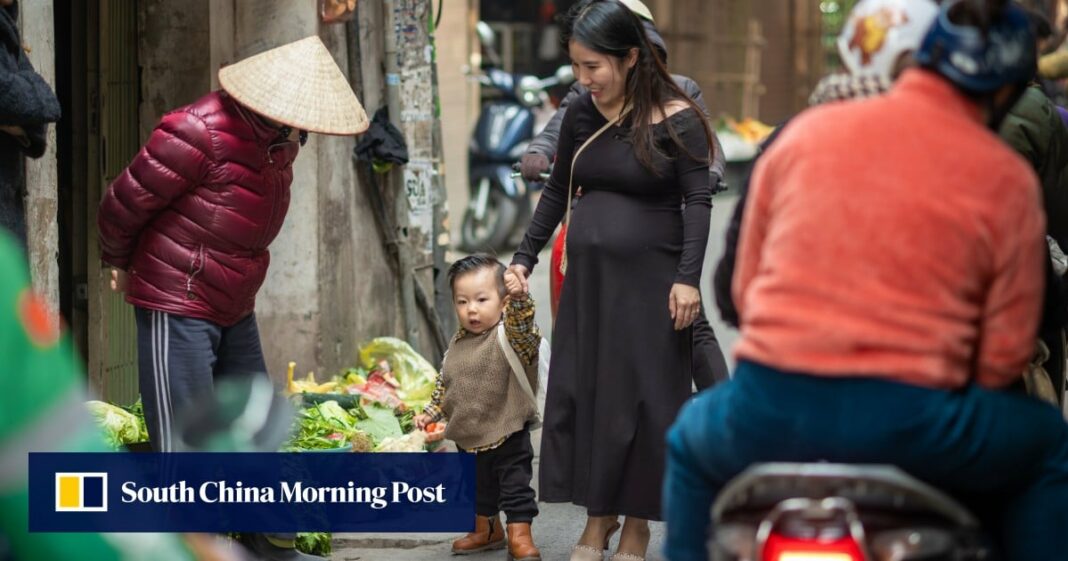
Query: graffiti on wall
[
  {"x": 419, "y": 190},
  {"x": 417, "y": 95}
]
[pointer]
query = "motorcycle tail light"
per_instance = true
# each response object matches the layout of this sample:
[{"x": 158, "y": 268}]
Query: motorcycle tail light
[{"x": 782, "y": 548}]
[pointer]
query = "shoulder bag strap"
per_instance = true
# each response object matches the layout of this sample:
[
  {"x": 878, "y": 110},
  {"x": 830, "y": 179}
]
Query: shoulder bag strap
[{"x": 571, "y": 180}]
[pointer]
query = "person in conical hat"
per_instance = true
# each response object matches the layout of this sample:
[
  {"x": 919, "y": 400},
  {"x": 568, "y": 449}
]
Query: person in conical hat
[{"x": 187, "y": 225}]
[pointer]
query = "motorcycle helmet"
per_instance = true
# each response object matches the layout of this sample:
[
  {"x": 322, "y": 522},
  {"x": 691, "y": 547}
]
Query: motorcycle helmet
[
  {"x": 979, "y": 62},
  {"x": 878, "y": 32}
]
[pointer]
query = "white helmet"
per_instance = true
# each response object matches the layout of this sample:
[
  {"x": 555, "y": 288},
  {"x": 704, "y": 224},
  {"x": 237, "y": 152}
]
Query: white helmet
[
  {"x": 639, "y": 9},
  {"x": 878, "y": 32}
]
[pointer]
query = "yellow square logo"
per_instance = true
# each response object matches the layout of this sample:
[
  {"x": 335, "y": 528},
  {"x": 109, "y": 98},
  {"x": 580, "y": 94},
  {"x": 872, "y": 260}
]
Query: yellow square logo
[{"x": 81, "y": 492}]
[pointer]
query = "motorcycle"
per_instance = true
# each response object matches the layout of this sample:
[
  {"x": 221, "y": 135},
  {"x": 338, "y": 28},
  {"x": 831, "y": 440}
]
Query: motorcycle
[
  {"x": 839, "y": 512},
  {"x": 500, "y": 204}
]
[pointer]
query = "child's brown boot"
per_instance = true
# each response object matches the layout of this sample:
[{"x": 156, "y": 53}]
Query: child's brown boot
[
  {"x": 488, "y": 535},
  {"x": 521, "y": 544}
]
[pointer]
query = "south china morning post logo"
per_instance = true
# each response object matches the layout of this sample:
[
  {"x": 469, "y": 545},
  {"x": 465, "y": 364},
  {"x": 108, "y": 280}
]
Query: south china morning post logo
[
  {"x": 250, "y": 492},
  {"x": 82, "y": 492}
]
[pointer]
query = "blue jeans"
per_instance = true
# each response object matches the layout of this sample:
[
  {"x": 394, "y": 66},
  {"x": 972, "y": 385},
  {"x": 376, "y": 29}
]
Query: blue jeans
[{"x": 1004, "y": 455}]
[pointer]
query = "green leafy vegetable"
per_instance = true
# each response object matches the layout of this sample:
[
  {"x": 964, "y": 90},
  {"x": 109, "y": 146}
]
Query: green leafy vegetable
[
  {"x": 322, "y": 426},
  {"x": 314, "y": 543},
  {"x": 407, "y": 420},
  {"x": 380, "y": 423},
  {"x": 119, "y": 425}
]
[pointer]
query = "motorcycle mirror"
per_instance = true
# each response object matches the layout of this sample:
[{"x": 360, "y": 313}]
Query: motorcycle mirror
[
  {"x": 242, "y": 414},
  {"x": 565, "y": 74},
  {"x": 485, "y": 35}
]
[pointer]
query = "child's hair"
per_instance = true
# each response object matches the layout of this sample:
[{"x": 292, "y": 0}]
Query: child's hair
[{"x": 477, "y": 262}]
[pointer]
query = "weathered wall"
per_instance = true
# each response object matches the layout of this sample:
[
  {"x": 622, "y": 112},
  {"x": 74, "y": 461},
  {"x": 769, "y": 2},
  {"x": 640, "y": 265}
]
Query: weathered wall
[
  {"x": 777, "y": 76},
  {"x": 459, "y": 100},
  {"x": 287, "y": 307},
  {"x": 175, "y": 69},
  {"x": 222, "y": 36},
  {"x": 328, "y": 286},
  {"x": 356, "y": 287},
  {"x": 42, "y": 203},
  {"x": 709, "y": 41}
]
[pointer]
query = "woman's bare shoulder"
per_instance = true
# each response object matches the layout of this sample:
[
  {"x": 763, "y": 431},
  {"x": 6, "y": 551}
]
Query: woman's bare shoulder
[{"x": 670, "y": 108}]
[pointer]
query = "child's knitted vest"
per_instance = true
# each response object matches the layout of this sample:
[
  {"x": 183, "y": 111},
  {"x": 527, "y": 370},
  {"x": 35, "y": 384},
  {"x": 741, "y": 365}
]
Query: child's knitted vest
[{"x": 483, "y": 401}]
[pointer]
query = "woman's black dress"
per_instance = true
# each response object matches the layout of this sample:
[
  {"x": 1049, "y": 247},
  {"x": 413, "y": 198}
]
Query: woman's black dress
[{"x": 619, "y": 371}]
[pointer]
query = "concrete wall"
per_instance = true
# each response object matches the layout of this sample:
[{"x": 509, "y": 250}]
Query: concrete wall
[
  {"x": 288, "y": 305},
  {"x": 328, "y": 287},
  {"x": 459, "y": 100},
  {"x": 175, "y": 66},
  {"x": 42, "y": 205}
]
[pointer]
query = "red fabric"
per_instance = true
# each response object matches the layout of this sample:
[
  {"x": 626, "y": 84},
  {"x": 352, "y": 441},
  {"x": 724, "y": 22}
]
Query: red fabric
[
  {"x": 191, "y": 217},
  {"x": 556, "y": 278},
  {"x": 895, "y": 237}
]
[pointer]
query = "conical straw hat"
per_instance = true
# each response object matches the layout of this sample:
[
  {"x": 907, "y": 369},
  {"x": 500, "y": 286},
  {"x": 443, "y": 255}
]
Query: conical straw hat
[
  {"x": 639, "y": 9},
  {"x": 299, "y": 85}
]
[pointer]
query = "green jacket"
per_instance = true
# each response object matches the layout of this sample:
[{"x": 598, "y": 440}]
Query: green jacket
[
  {"x": 42, "y": 409},
  {"x": 1034, "y": 129}
]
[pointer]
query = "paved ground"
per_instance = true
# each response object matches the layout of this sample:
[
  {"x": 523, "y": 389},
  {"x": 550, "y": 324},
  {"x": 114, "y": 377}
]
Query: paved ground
[{"x": 558, "y": 526}]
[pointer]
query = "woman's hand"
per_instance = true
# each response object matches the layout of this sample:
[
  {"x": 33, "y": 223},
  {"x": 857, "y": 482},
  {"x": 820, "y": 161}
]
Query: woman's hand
[
  {"x": 684, "y": 304},
  {"x": 521, "y": 274},
  {"x": 513, "y": 285}
]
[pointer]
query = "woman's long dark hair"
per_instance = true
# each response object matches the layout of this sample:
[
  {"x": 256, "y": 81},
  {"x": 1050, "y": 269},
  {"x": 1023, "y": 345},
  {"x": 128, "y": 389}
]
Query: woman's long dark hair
[{"x": 610, "y": 28}]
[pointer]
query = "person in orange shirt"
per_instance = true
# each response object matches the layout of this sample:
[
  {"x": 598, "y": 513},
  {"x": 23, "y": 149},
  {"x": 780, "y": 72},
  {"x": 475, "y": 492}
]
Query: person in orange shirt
[{"x": 888, "y": 284}]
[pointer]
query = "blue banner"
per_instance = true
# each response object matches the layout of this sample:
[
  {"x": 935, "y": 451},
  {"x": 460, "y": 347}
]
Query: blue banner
[{"x": 203, "y": 492}]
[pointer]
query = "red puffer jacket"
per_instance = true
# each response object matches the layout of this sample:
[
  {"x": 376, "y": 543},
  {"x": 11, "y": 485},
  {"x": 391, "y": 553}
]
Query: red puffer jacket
[{"x": 191, "y": 217}]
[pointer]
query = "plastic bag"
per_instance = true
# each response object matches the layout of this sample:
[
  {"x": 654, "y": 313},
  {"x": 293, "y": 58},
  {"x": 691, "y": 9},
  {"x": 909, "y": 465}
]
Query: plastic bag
[{"x": 414, "y": 373}]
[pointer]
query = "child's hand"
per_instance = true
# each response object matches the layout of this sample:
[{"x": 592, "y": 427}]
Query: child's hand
[
  {"x": 513, "y": 284},
  {"x": 421, "y": 421}
]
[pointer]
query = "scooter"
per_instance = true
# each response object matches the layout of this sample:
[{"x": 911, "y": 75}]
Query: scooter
[
  {"x": 839, "y": 512},
  {"x": 500, "y": 204}
]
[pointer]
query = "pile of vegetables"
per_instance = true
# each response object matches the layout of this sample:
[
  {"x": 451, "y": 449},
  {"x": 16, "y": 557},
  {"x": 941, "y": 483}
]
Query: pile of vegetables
[
  {"x": 315, "y": 543},
  {"x": 741, "y": 140},
  {"x": 328, "y": 426},
  {"x": 312, "y": 543},
  {"x": 369, "y": 408},
  {"x": 375, "y": 401},
  {"x": 393, "y": 361},
  {"x": 120, "y": 425}
]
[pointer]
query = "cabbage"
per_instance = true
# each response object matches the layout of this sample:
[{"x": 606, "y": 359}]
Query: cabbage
[
  {"x": 412, "y": 442},
  {"x": 119, "y": 426},
  {"x": 332, "y": 411}
]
